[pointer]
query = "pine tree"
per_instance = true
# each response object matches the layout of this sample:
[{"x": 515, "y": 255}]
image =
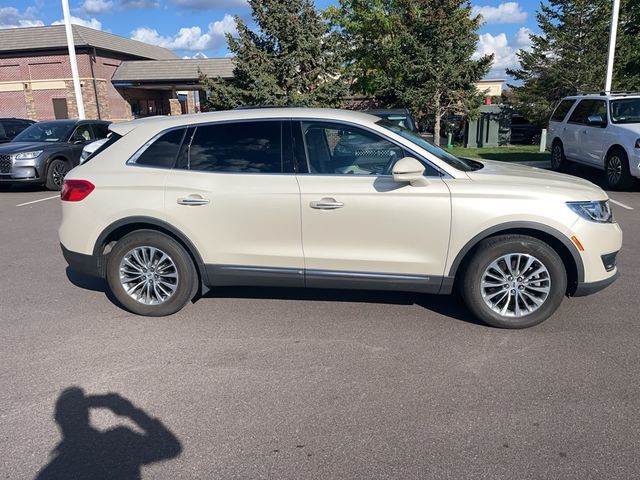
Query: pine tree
[
  {"x": 413, "y": 53},
  {"x": 570, "y": 55},
  {"x": 292, "y": 58}
]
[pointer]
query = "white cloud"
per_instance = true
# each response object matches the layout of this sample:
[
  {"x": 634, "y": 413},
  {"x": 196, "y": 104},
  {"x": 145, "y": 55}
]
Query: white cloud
[
  {"x": 189, "y": 38},
  {"x": 508, "y": 12},
  {"x": 196, "y": 56},
  {"x": 91, "y": 7},
  {"x": 523, "y": 38},
  {"x": 209, "y": 4},
  {"x": 10, "y": 17},
  {"x": 91, "y": 23},
  {"x": 96, "y": 6}
]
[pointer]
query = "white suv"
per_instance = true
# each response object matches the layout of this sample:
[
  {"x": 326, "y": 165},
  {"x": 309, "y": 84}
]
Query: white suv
[
  {"x": 328, "y": 199},
  {"x": 602, "y": 131}
]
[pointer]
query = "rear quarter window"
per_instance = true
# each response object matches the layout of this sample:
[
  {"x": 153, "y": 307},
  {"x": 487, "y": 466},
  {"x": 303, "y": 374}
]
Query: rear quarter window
[{"x": 561, "y": 110}]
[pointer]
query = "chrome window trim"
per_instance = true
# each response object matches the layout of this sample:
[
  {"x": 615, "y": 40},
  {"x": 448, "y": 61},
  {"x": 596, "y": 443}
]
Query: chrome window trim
[{"x": 132, "y": 160}]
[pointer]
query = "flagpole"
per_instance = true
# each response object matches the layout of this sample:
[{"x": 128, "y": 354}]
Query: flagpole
[
  {"x": 612, "y": 44},
  {"x": 72, "y": 59}
]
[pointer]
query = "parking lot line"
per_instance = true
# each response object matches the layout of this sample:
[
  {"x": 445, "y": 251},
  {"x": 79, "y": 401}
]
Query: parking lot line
[
  {"x": 36, "y": 201},
  {"x": 620, "y": 204}
]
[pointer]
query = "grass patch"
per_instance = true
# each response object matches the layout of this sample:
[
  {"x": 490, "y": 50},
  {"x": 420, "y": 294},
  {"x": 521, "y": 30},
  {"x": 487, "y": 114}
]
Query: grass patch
[{"x": 512, "y": 153}]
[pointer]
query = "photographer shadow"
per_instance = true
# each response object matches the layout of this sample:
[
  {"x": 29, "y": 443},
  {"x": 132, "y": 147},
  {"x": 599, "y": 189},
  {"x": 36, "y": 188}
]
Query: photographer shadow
[{"x": 88, "y": 453}]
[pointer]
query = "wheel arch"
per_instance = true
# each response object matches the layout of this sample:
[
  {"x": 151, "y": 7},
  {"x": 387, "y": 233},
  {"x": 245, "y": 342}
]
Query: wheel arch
[
  {"x": 615, "y": 146},
  {"x": 562, "y": 245},
  {"x": 124, "y": 226}
]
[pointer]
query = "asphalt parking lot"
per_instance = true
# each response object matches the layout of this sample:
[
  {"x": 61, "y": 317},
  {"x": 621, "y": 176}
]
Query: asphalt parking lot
[{"x": 258, "y": 383}]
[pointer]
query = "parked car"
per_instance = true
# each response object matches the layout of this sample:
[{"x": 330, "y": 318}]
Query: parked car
[
  {"x": 91, "y": 148},
  {"x": 10, "y": 127},
  {"x": 523, "y": 131},
  {"x": 399, "y": 116},
  {"x": 44, "y": 152},
  {"x": 602, "y": 131},
  {"x": 267, "y": 198}
]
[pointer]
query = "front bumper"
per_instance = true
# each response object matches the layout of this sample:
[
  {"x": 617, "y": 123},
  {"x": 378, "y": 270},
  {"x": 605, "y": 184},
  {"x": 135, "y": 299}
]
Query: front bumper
[
  {"x": 86, "y": 264},
  {"x": 20, "y": 171},
  {"x": 583, "y": 289}
]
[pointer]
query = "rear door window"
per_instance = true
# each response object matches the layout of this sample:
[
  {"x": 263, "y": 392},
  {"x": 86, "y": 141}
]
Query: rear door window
[
  {"x": 586, "y": 108},
  {"x": 248, "y": 147}
]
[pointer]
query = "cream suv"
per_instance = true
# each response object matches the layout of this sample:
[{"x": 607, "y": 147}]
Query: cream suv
[{"x": 328, "y": 199}]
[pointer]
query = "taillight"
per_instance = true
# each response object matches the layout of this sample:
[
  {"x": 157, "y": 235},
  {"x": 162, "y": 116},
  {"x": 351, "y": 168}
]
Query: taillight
[{"x": 76, "y": 190}]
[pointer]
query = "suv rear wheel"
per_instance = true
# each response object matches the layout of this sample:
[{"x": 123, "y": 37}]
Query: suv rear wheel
[
  {"x": 559, "y": 162},
  {"x": 150, "y": 274},
  {"x": 514, "y": 281},
  {"x": 617, "y": 171}
]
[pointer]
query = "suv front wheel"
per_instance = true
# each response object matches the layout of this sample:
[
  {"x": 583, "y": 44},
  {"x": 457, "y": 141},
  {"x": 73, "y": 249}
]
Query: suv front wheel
[
  {"x": 514, "y": 281},
  {"x": 617, "y": 170},
  {"x": 150, "y": 274}
]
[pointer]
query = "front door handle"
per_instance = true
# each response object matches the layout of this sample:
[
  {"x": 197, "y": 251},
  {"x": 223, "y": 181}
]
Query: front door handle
[
  {"x": 193, "y": 200},
  {"x": 326, "y": 204}
]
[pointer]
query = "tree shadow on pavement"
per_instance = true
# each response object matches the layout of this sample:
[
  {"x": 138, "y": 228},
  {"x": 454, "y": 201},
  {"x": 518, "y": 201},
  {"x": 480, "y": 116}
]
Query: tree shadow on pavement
[
  {"x": 447, "y": 305},
  {"x": 88, "y": 453}
]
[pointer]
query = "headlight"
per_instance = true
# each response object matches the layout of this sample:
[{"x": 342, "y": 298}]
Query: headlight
[
  {"x": 28, "y": 155},
  {"x": 593, "y": 211}
]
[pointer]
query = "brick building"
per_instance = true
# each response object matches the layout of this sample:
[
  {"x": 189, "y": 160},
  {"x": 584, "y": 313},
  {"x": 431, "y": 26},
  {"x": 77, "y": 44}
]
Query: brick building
[{"x": 120, "y": 78}]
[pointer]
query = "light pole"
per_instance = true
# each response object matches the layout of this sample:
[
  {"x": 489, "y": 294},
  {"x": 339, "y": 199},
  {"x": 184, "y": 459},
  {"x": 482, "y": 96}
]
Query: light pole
[
  {"x": 72, "y": 58},
  {"x": 612, "y": 44}
]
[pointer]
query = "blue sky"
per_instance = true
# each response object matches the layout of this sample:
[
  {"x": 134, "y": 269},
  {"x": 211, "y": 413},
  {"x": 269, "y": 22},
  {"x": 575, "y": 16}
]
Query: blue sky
[{"x": 197, "y": 27}]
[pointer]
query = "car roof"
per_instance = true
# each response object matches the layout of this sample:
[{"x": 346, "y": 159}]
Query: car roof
[
  {"x": 387, "y": 111},
  {"x": 18, "y": 119},
  {"x": 604, "y": 96},
  {"x": 159, "y": 123}
]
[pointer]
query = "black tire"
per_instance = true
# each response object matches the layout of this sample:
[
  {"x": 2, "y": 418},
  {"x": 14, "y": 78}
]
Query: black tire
[
  {"x": 616, "y": 172},
  {"x": 56, "y": 171},
  {"x": 491, "y": 249},
  {"x": 535, "y": 139},
  {"x": 185, "y": 279},
  {"x": 559, "y": 162}
]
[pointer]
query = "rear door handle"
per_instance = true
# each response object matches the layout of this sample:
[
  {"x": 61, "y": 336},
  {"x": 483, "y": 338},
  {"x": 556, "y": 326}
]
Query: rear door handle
[
  {"x": 193, "y": 200},
  {"x": 326, "y": 204}
]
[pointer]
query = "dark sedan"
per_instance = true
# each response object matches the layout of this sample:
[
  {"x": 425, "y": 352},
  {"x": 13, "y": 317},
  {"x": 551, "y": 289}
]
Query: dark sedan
[
  {"x": 44, "y": 152},
  {"x": 10, "y": 127}
]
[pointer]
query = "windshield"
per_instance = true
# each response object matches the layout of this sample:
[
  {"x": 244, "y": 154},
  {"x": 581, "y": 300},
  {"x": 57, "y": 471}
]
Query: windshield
[
  {"x": 458, "y": 163},
  {"x": 626, "y": 110},
  {"x": 404, "y": 121},
  {"x": 45, "y": 132}
]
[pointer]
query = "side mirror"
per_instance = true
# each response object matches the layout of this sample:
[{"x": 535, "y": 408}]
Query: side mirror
[
  {"x": 596, "y": 121},
  {"x": 409, "y": 170}
]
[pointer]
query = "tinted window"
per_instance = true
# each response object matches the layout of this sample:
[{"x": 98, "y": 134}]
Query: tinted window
[
  {"x": 237, "y": 147},
  {"x": 335, "y": 149},
  {"x": 586, "y": 108},
  {"x": 82, "y": 134},
  {"x": 561, "y": 110},
  {"x": 11, "y": 128},
  {"x": 517, "y": 120},
  {"x": 163, "y": 151},
  {"x": 100, "y": 130}
]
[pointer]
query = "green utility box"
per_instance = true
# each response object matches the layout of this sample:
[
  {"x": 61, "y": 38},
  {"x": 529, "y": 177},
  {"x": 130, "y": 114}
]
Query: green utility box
[{"x": 491, "y": 129}]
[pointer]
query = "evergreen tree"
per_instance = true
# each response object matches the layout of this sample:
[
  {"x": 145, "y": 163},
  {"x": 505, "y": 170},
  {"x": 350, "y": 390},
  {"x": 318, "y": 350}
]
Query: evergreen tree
[
  {"x": 570, "y": 55},
  {"x": 290, "y": 59},
  {"x": 413, "y": 53}
]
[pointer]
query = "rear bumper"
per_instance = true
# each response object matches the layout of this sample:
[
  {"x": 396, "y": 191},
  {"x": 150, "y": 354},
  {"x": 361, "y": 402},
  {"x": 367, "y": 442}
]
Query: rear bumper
[
  {"x": 583, "y": 289},
  {"x": 86, "y": 264}
]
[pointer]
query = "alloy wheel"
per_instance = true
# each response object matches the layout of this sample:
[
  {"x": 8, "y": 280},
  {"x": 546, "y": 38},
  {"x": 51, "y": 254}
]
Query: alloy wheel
[
  {"x": 515, "y": 285},
  {"x": 60, "y": 170},
  {"x": 614, "y": 170},
  {"x": 148, "y": 275}
]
